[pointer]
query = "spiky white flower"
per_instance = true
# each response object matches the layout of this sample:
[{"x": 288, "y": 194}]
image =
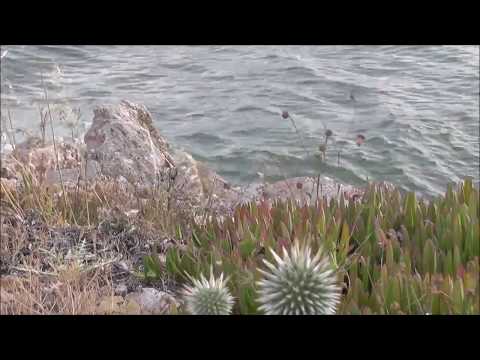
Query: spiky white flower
[
  {"x": 208, "y": 297},
  {"x": 298, "y": 284}
]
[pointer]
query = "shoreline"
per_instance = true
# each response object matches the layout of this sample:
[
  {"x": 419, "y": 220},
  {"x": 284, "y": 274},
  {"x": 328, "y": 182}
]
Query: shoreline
[
  {"x": 143, "y": 158},
  {"x": 116, "y": 229}
]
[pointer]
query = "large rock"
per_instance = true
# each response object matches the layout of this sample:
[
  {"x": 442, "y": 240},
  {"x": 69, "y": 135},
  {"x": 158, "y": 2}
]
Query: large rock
[{"x": 124, "y": 142}]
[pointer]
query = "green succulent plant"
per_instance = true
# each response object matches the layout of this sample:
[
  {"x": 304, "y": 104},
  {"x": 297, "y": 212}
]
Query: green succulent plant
[
  {"x": 298, "y": 284},
  {"x": 396, "y": 253},
  {"x": 208, "y": 297}
]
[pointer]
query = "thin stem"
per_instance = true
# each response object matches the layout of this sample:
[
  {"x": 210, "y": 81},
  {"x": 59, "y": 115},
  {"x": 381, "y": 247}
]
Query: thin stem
[
  {"x": 302, "y": 140},
  {"x": 11, "y": 128},
  {"x": 55, "y": 147}
]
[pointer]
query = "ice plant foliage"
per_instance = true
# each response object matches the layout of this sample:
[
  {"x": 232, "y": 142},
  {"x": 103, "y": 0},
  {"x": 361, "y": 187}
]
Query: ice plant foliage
[
  {"x": 298, "y": 284},
  {"x": 394, "y": 253},
  {"x": 208, "y": 297}
]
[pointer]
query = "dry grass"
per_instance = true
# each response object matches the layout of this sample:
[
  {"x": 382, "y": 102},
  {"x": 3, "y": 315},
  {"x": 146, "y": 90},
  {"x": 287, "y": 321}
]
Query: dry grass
[
  {"x": 64, "y": 249},
  {"x": 69, "y": 292}
]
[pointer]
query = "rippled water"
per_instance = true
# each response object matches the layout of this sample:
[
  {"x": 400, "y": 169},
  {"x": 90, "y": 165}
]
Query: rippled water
[{"x": 418, "y": 106}]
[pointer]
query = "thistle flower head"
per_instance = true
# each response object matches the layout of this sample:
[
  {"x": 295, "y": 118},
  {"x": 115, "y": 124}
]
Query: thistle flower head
[
  {"x": 208, "y": 297},
  {"x": 360, "y": 139},
  {"x": 298, "y": 284}
]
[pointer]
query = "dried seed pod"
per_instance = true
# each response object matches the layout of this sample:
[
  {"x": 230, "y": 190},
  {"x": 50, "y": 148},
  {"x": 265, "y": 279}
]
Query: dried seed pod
[{"x": 360, "y": 139}]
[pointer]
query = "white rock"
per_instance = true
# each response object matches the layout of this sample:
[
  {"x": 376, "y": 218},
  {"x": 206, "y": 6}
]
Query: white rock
[
  {"x": 152, "y": 300},
  {"x": 121, "y": 290}
]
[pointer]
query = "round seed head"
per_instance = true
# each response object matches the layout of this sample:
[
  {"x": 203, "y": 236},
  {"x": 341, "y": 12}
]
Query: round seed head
[
  {"x": 298, "y": 284},
  {"x": 360, "y": 139},
  {"x": 208, "y": 297}
]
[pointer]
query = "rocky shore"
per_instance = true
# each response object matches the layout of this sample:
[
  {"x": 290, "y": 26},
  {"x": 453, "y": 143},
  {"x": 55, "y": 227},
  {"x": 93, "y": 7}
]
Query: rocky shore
[{"x": 122, "y": 147}]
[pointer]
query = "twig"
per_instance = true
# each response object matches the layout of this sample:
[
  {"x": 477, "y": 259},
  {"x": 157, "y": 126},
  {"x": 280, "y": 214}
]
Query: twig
[
  {"x": 33, "y": 271},
  {"x": 42, "y": 125},
  {"x": 11, "y": 127},
  {"x": 101, "y": 264}
]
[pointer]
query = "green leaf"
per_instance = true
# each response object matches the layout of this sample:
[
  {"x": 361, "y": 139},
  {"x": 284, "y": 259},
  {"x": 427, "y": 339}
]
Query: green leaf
[
  {"x": 321, "y": 223},
  {"x": 429, "y": 261},
  {"x": 173, "y": 262},
  {"x": 410, "y": 211},
  {"x": 467, "y": 189},
  {"x": 370, "y": 225},
  {"x": 284, "y": 231},
  {"x": 344, "y": 241},
  {"x": 448, "y": 264},
  {"x": 152, "y": 267},
  {"x": 247, "y": 300},
  {"x": 195, "y": 239},
  {"x": 179, "y": 232},
  {"x": 390, "y": 260},
  {"x": 407, "y": 261},
  {"x": 436, "y": 300},
  {"x": 247, "y": 248},
  {"x": 458, "y": 296},
  {"x": 475, "y": 243},
  {"x": 457, "y": 260}
]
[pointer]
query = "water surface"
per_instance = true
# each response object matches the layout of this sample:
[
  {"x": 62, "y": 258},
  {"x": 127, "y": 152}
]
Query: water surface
[{"x": 417, "y": 106}]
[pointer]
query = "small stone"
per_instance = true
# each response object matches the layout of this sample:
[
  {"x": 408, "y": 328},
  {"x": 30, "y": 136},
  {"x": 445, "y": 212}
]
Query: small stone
[
  {"x": 152, "y": 301},
  {"x": 131, "y": 212},
  {"x": 121, "y": 290}
]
